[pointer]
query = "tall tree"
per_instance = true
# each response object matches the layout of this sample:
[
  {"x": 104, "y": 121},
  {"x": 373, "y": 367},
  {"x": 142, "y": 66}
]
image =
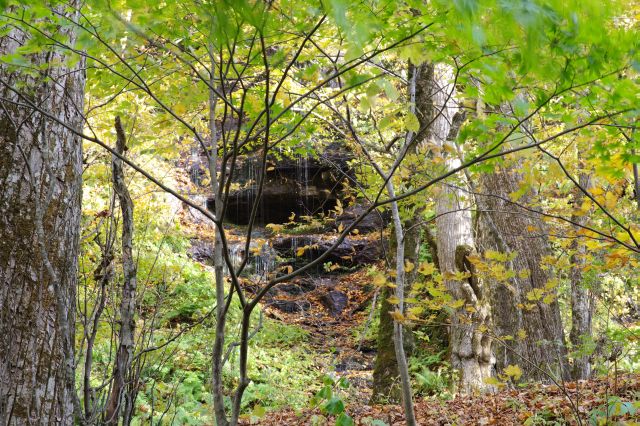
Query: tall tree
[
  {"x": 385, "y": 374},
  {"x": 126, "y": 336},
  {"x": 40, "y": 176},
  {"x": 582, "y": 297},
  {"x": 526, "y": 309},
  {"x": 470, "y": 345}
]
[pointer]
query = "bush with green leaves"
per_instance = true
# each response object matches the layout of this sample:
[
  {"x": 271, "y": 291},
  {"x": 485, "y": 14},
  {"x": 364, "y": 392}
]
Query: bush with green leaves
[{"x": 330, "y": 400}]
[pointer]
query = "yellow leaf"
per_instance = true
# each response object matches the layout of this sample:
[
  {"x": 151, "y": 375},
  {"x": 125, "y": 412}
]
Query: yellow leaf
[
  {"x": 393, "y": 300},
  {"x": 301, "y": 251},
  {"x": 455, "y": 304},
  {"x": 522, "y": 334},
  {"x": 416, "y": 310},
  {"x": 340, "y": 228},
  {"x": 408, "y": 266},
  {"x": 513, "y": 371},
  {"x": 426, "y": 268},
  {"x": 610, "y": 201},
  {"x": 179, "y": 109},
  {"x": 379, "y": 280},
  {"x": 355, "y": 232},
  {"x": 523, "y": 274},
  {"x": 535, "y": 294},
  {"x": 274, "y": 227},
  {"x": 397, "y": 316},
  {"x": 450, "y": 148},
  {"x": 412, "y": 316},
  {"x": 492, "y": 381}
]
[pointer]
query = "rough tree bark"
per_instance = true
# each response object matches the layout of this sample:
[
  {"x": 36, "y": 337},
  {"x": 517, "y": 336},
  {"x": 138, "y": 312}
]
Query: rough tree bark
[
  {"x": 510, "y": 229},
  {"x": 469, "y": 344},
  {"x": 582, "y": 297},
  {"x": 40, "y": 177},
  {"x": 386, "y": 379},
  {"x": 126, "y": 337}
]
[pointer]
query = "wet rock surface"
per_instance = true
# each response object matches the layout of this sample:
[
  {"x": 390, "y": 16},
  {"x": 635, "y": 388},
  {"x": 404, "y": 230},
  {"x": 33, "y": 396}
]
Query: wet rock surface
[
  {"x": 302, "y": 185},
  {"x": 290, "y": 306},
  {"x": 301, "y": 250}
]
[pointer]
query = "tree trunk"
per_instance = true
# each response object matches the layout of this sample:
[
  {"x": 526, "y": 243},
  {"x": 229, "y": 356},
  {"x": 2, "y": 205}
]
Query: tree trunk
[
  {"x": 469, "y": 345},
  {"x": 582, "y": 300},
  {"x": 398, "y": 327},
  {"x": 386, "y": 378},
  {"x": 126, "y": 338},
  {"x": 541, "y": 349},
  {"x": 217, "y": 386},
  {"x": 40, "y": 177}
]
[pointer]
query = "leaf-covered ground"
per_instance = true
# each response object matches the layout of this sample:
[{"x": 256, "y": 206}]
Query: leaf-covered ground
[{"x": 532, "y": 405}]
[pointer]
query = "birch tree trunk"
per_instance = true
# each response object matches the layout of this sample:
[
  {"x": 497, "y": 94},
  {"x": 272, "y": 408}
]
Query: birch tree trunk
[
  {"x": 470, "y": 346},
  {"x": 540, "y": 349},
  {"x": 40, "y": 181}
]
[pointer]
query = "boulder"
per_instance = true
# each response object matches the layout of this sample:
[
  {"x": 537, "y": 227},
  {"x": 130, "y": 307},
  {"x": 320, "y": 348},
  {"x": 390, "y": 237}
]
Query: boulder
[
  {"x": 334, "y": 301},
  {"x": 373, "y": 221},
  {"x": 201, "y": 251},
  {"x": 290, "y": 306}
]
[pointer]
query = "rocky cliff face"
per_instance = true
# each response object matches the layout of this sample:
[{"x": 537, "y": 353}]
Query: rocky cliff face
[
  {"x": 302, "y": 185},
  {"x": 307, "y": 187}
]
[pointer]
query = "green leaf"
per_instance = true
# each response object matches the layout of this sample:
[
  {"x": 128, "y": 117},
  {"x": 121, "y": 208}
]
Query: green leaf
[
  {"x": 411, "y": 122},
  {"x": 344, "y": 420},
  {"x": 325, "y": 393},
  {"x": 334, "y": 406},
  {"x": 343, "y": 383}
]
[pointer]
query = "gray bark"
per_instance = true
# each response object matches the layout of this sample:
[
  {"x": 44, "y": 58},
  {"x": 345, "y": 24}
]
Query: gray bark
[
  {"x": 40, "y": 177},
  {"x": 509, "y": 229},
  {"x": 398, "y": 341},
  {"x": 469, "y": 344},
  {"x": 386, "y": 377},
  {"x": 218, "y": 264},
  {"x": 582, "y": 297},
  {"x": 126, "y": 337}
]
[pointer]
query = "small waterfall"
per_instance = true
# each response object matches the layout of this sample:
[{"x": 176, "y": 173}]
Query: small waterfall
[
  {"x": 302, "y": 177},
  {"x": 305, "y": 165},
  {"x": 261, "y": 261}
]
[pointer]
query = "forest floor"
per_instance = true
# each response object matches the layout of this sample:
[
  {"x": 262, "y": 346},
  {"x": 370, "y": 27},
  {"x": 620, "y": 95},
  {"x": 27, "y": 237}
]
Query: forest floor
[
  {"x": 341, "y": 348},
  {"x": 340, "y": 340},
  {"x": 342, "y": 344},
  {"x": 533, "y": 405}
]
